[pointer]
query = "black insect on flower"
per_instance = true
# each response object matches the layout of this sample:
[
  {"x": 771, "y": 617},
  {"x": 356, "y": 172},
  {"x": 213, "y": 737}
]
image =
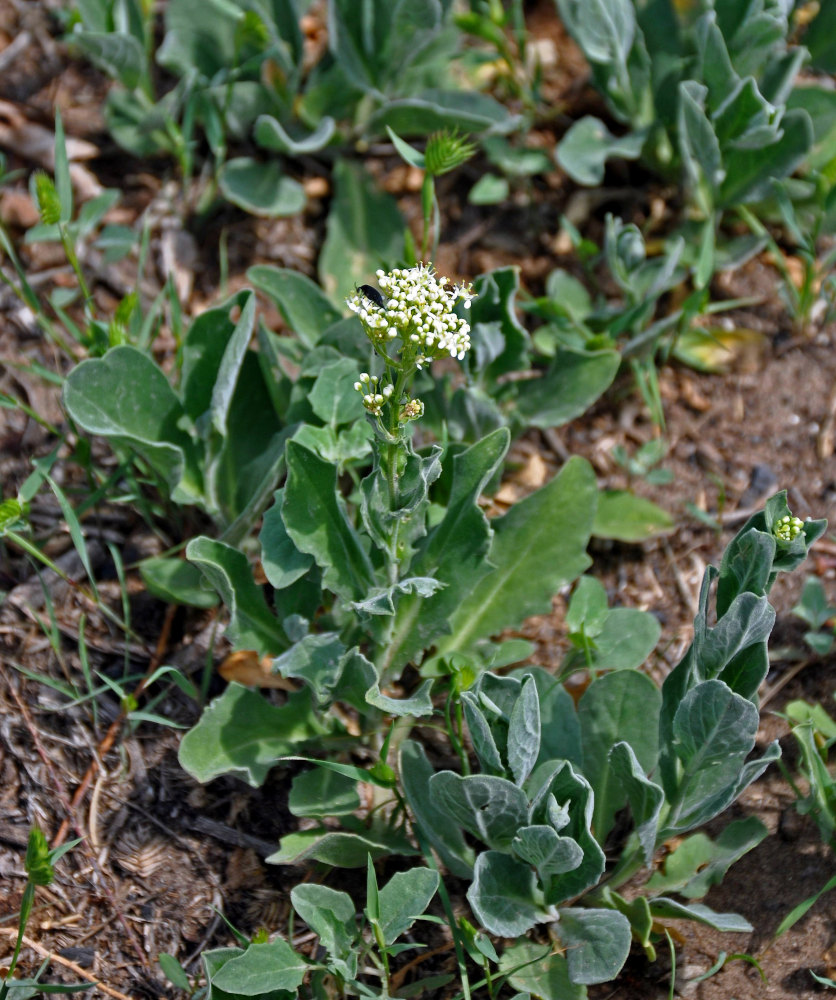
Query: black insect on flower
[{"x": 372, "y": 294}]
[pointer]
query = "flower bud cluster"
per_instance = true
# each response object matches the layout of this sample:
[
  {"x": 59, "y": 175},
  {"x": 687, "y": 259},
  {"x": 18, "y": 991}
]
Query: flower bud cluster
[
  {"x": 417, "y": 323},
  {"x": 411, "y": 410},
  {"x": 374, "y": 395},
  {"x": 787, "y": 528}
]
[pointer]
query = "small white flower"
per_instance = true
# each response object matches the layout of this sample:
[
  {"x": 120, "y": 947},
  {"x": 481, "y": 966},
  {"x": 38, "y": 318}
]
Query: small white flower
[{"x": 418, "y": 310}]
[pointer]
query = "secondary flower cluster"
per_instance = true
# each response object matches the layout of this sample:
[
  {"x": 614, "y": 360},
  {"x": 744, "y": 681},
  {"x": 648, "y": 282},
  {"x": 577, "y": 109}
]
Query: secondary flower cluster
[
  {"x": 373, "y": 399},
  {"x": 787, "y": 528},
  {"x": 415, "y": 322}
]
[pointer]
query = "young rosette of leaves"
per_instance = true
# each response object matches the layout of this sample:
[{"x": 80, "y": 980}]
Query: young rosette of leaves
[{"x": 554, "y": 775}]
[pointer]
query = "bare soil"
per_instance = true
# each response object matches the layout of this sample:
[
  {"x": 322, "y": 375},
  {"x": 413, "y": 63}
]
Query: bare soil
[{"x": 161, "y": 855}]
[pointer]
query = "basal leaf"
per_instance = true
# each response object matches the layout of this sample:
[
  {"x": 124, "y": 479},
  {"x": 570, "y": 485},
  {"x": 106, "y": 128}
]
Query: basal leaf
[
  {"x": 446, "y": 837},
  {"x": 365, "y": 231},
  {"x": 241, "y": 733},
  {"x": 597, "y": 943},
  {"x": 504, "y": 895},
  {"x": 644, "y": 796},
  {"x": 540, "y": 971},
  {"x": 699, "y": 862},
  {"x": 488, "y": 807},
  {"x": 627, "y": 518},
  {"x": 307, "y": 311},
  {"x": 608, "y": 714},
  {"x": 251, "y": 623},
  {"x": 282, "y": 562},
  {"x": 126, "y": 397},
  {"x": 662, "y": 907},
  {"x": 263, "y": 967},
  {"x": 538, "y": 546},
  {"x": 321, "y": 792}
]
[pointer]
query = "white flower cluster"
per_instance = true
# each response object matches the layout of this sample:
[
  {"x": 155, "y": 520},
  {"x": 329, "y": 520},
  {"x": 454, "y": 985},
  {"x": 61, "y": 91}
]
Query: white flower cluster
[
  {"x": 418, "y": 310},
  {"x": 788, "y": 528},
  {"x": 372, "y": 399}
]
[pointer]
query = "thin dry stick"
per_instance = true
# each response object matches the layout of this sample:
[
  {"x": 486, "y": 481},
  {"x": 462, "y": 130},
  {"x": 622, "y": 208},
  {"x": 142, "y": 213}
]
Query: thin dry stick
[
  {"x": 116, "y": 726},
  {"x": 73, "y": 821},
  {"x": 76, "y": 969}
]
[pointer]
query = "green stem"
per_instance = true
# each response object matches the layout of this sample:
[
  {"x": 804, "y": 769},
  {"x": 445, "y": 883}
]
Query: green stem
[
  {"x": 25, "y": 910},
  {"x": 69, "y": 250}
]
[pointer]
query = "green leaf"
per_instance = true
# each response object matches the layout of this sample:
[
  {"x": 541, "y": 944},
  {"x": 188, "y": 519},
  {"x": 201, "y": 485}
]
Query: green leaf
[
  {"x": 176, "y": 581},
  {"x": 568, "y": 387},
  {"x": 607, "y": 715},
  {"x": 406, "y": 152},
  {"x": 340, "y": 849},
  {"x": 445, "y": 837},
  {"x": 315, "y": 519},
  {"x": 403, "y": 899},
  {"x": 504, "y": 896},
  {"x": 645, "y": 797},
  {"x": 243, "y": 467},
  {"x": 260, "y": 188},
  {"x": 623, "y": 516},
  {"x": 569, "y": 791},
  {"x": 320, "y": 792},
  {"x": 332, "y": 916},
  {"x": 262, "y": 967},
  {"x": 251, "y": 623},
  {"x": 453, "y": 552},
  {"x": 714, "y": 730},
  {"x": 126, "y": 397},
  {"x": 270, "y": 134},
  {"x": 282, "y": 562},
  {"x": 63, "y": 181},
  {"x": 672, "y": 910},
  {"x": 746, "y": 566},
  {"x": 317, "y": 659},
  {"x": 585, "y": 148},
  {"x": 544, "y": 848},
  {"x": 699, "y": 862},
  {"x": 241, "y": 733},
  {"x": 597, "y": 943},
  {"x": 489, "y": 190},
  {"x": 174, "y": 971},
  {"x": 587, "y": 607},
  {"x": 540, "y": 971},
  {"x": 627, "y": 638},
  {"x": 750, "y": 173},
  {"x": 333, "y": 397},
  {"x": 820, "y": 39},
  {"x": 306, "y": 310},
  {"x": 524, "y": 732},
  {"x": 560, "y": 735},
  {"x": 487, "y": 806},
  {"x": 538, "y": 546},
  {"x": 698, "y": 145},
  {"x": 116, "y": 53},
  {"x": 418, "y": 704},
  {"x": 433, "y": 110},
  {"x": 364, "y": 231}
]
